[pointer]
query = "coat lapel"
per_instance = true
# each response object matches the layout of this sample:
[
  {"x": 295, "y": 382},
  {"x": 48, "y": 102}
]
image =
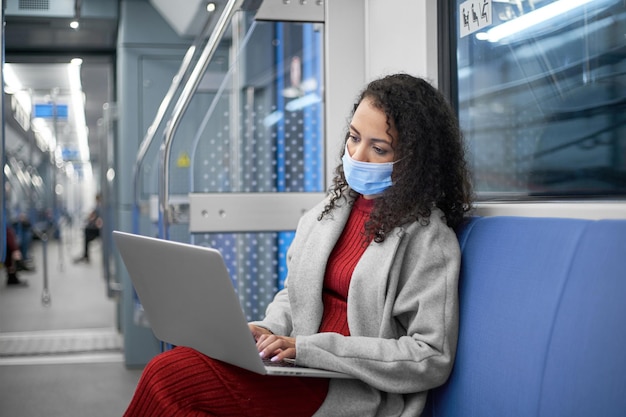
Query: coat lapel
[{"x": 306, "y": 275}]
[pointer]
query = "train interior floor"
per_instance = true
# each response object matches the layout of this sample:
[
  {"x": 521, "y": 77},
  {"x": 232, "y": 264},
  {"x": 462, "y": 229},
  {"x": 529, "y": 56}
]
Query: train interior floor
[{"x": 65, "y": 357}]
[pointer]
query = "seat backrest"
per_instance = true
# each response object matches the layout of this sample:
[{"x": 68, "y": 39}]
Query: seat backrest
[{"x": 542, "y": 320}]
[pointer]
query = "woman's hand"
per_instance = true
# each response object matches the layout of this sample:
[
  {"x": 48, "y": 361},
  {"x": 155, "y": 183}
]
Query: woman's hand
[
  {"x": 258, "y": 331},
  {"x": 272, "y": 346}
]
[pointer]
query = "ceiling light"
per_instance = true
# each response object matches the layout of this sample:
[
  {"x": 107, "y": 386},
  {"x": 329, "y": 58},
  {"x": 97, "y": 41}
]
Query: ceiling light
[
  {"x": 210, "y": 7},
  {"x": 530, "y": 19},
  {"x": 12, "y": 83},
  {"x": 43, "y": 134},
  {"x": 74, "y": 24},
  {"x": 78, "y": 105},
  {"x": 302, "y": 102}
]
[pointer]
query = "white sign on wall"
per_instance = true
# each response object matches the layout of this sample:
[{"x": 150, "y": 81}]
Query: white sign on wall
[{"x": 474, "y": 15}]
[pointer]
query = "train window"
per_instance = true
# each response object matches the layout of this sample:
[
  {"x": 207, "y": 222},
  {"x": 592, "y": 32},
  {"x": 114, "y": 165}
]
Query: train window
[
  {"x": 541, "y": 96},
  {"x": 255, "y": 123}
]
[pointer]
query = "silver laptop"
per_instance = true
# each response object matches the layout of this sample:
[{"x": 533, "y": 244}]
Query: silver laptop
[{"x": 189, "y": 300}]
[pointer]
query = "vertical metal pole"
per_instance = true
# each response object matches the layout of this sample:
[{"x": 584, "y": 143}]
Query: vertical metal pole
[
  {"x": 55, "y": 207},
  {"x": 45, "y": 294}
]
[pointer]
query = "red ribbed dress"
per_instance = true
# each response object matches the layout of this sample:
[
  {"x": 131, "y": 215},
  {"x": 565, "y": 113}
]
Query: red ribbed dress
[{"x": 183, "y": 382}]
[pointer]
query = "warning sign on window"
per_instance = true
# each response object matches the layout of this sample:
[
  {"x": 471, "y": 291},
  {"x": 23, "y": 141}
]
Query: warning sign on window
[
  {"x": 474, "y": 15},
  {"x": 183, "y": 160}
]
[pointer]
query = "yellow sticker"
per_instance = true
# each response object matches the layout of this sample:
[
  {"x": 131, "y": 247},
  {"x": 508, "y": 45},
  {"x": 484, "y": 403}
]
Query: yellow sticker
[{"x": 183, "y": 160}]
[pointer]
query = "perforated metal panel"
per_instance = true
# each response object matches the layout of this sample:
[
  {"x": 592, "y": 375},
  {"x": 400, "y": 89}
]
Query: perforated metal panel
[
  {"x": 34, "y": 4},
  {"x": 42, "y": 8}
]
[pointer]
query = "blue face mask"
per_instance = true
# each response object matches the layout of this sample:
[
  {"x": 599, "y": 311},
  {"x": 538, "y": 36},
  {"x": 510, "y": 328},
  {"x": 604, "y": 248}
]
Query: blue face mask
[{"x": 366, "y": 178}]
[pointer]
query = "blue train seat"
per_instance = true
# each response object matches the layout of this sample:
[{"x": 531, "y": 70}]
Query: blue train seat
[{"x": 542, "y": 320}]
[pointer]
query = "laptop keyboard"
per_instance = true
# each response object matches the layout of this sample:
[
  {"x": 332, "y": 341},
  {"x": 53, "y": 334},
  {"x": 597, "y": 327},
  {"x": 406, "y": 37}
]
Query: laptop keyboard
[{"x": 283, "y": 364}]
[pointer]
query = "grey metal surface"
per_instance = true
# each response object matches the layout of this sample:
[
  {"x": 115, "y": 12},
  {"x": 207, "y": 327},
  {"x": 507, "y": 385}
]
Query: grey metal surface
[
  {"x": 291, "y": 11},
  {"x": 248, "y": 212},
  {"x": 345, "y": 68}
]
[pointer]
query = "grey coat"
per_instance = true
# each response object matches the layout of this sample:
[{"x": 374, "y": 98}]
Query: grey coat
[{"x": 402, "y": 314}]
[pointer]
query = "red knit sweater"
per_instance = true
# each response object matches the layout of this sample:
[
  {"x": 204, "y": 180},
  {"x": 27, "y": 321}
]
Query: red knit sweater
[{"x": 341, "y": 263}]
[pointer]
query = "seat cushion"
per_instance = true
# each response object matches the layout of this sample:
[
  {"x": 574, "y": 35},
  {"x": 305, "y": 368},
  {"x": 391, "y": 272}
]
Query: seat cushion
[
  {"x": 585, "y": 371},
  {"x": 514, "y": 271}
]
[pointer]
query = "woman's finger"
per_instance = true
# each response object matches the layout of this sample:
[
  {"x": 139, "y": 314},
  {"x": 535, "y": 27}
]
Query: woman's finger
[{"x": 280, "y": 346}]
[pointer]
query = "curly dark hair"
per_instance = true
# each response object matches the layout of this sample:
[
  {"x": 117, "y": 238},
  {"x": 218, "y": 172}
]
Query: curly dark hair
[{"x": 431, "y": 170}]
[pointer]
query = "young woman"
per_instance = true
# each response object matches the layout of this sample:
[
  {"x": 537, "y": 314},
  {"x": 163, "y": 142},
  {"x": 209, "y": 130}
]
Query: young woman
[{"x": 372, "y": 283}]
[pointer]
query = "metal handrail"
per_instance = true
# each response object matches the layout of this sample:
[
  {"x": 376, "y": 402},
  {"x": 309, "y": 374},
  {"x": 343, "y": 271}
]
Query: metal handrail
[
  {"x": 181, "y": 106},
  {"x": 220, "y": 91},
  {"x": 163, "y": 107}
]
